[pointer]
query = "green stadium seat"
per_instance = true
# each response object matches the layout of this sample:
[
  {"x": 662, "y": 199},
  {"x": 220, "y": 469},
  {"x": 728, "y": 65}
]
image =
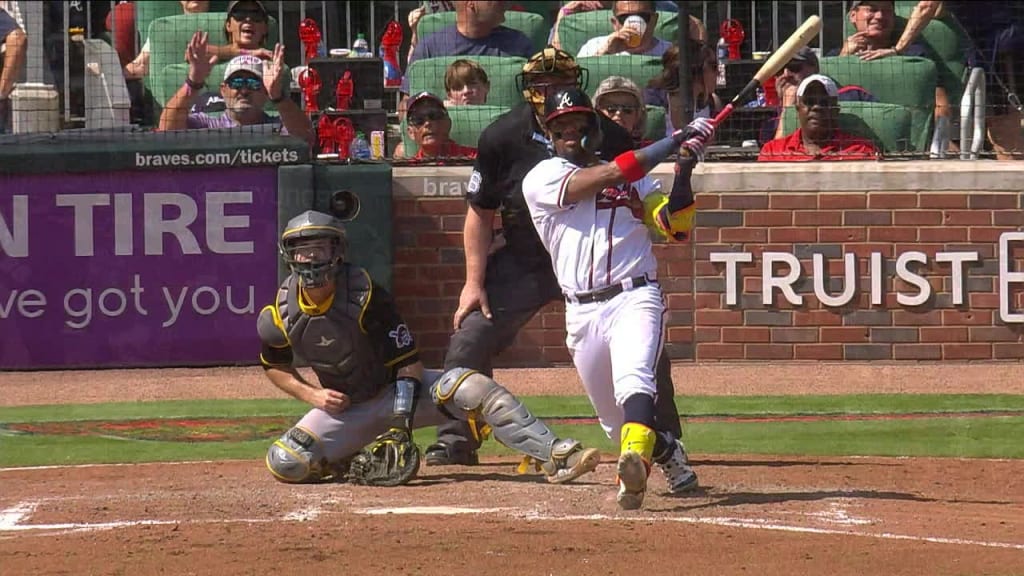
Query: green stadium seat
[
  {"x": 173, "y": 76},
  {"x": 576, "y": 29},
  {"x": 533, "y": 25},
  {"x": 907, "y": 81},
  {"x": 146, "y": 11},
  {"x": 639, "y": 69},
  {"x": 428, "y": 74},
  {"x": 655, "y": 129},
  {"x": 467, "y": 124},
  {"x": 945, "y": 42},
  {"x": 890, "y": 126}
]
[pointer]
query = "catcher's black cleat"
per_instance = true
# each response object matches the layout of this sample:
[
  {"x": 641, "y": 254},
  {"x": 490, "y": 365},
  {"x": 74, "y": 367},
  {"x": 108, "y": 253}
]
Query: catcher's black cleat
[{"x": 441, "y": 454}]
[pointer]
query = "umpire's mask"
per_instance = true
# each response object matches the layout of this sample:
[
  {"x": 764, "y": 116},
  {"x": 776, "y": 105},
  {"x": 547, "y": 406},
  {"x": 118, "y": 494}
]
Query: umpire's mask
[{"x": 313, "y": 246}]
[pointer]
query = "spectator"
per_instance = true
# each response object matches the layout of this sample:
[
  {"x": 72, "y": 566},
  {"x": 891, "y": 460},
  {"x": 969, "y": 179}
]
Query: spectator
[
  {"x": 996, "y": 31},
  {"x": 139, "y": 67},
  {"x": 620, "y": 99},
  {"x": 466, "y": 82},
  {"x": 477, "y": 32},
  {"x": 12, "y": 63},
  {"x": 627, "y": 39},
  {"x": 803, "y": 64},
  {"x": 697, "y": 29},
  {"x": 663, "y": 90},
  {"x": 873, "y": 22},
  {"x": 248, "y": 83},
  {"x": 429, "y": 125},
  {"x": 246, "y": 29},
  {"x": 818, "y": 137},
  {"x": 414, "y": 21}
]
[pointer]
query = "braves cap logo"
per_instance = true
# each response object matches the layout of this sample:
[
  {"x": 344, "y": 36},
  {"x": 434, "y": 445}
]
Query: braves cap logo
[{"x": 565, "y": 102}]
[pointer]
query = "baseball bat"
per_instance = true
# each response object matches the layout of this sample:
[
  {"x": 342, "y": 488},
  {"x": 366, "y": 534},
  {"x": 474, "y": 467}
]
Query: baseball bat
[{"x": 797, "y": 40}]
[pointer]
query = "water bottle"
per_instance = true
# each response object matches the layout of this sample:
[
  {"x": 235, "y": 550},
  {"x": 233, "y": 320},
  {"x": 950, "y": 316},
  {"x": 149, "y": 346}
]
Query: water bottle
[
  {"x": 361, "y": 48},
  {"x": 360, "y": 148},
  {"x": 723, "y": 50}
]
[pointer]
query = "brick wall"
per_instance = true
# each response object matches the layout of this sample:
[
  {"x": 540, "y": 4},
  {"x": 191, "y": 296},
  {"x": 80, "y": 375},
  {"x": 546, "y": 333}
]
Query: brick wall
[{"x": 940, "y": 209}]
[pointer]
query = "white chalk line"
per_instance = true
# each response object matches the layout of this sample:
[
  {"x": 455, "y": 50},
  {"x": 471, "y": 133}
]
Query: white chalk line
[
  {"x": 11, "y": 521},
  {"x": 748, "y": 523},
  {"x": 113, "y": 465}
]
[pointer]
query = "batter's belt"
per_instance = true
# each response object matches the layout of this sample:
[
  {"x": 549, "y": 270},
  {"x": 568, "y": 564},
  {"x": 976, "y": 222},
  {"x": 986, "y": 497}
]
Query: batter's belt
[{"x": 609, "y": 292}]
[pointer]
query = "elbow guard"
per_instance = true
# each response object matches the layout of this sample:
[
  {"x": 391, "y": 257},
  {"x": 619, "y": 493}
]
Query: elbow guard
[{"x": 674, "y": 225}]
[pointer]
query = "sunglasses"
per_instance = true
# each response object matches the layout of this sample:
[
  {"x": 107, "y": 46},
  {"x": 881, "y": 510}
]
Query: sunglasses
[
  {"x": 645, "y": 15},
  {"x": 422, "y": 118},
  {"x": 251, "y": 14},
  {"x": 614, "y": 109},
  {"x": 251, "y": 84}
]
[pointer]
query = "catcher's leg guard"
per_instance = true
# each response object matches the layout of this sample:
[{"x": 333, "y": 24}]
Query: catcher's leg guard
[
  {"x": 468, "y": 393},
  {"x": 296, "y": 457}
]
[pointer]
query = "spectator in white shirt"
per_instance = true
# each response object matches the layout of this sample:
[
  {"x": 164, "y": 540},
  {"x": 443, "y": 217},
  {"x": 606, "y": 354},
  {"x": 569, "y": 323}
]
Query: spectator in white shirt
[{"x": 633, "y": 24}]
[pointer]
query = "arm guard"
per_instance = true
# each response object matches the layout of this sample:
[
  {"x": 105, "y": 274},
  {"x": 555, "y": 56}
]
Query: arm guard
[{"x": 672, "y": 217}]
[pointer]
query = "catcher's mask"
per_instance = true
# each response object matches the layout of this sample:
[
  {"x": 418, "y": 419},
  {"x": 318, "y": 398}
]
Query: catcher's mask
[
  {"x": 313, "y": 246},
  {"x": 569, "y": 101},
  {"x": 535, "y": 79}
]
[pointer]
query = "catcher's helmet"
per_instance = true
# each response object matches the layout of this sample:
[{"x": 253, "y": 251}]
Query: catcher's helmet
[
  {"x": 569, "y": 100},
  {"x": 311, "y": 260},
  {"x": 548, "y": 62}
]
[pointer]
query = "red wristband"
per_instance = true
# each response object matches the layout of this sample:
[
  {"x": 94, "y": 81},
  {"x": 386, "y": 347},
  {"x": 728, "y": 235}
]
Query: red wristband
[{"x": 631, "y": 168}]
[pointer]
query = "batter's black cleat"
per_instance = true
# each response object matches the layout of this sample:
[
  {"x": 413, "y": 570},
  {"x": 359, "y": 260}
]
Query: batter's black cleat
[{"x": 441, "y": 454}]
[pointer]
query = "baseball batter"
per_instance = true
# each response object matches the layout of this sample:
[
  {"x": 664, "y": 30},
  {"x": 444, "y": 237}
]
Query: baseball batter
[
  {"x": 508, "y": 276},
  {"x": 372, "y": 386},
  {"x": 593, "y": 217}
]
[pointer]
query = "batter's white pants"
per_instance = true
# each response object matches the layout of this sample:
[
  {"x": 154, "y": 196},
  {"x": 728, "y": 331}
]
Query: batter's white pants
[{"x": 615, "y": 346}]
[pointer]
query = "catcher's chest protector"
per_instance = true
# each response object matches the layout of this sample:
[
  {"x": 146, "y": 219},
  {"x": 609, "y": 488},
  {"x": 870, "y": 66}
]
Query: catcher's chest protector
[{"x": 333, "y": 343}]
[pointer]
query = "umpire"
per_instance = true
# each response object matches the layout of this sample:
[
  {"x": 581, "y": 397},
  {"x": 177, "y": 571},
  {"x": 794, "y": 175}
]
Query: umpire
[{"x": 509, "y": 278}]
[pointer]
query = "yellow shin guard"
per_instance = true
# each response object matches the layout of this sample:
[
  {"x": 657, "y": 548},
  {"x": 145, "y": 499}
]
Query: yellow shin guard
[{"x": 638, "y": 438}]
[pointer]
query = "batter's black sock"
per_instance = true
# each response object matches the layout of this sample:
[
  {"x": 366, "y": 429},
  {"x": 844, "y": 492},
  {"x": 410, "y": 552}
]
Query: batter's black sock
[
  {"x": 639, "y": 408},
  {"x": 664, "y": 444}
]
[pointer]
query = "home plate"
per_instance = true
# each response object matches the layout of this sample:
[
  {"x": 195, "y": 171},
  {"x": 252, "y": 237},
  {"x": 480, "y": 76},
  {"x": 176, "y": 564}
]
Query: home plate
[{"x": 430, "y": 510}]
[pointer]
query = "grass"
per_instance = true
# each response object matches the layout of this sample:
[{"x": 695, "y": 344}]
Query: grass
[{"x": 941, "y": 434}]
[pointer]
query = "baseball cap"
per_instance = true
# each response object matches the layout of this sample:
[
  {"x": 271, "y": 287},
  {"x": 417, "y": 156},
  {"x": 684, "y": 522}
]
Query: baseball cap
[
  {"x": 424, "y": 97},
  {"x": 244, "y": 63},
  {"x": 857, "y": 3},
  {"x": 828, "y": 83},
  {"x": 805, "y": 54},
  {"x": 618, "y": 85},
  {"x": 233, "y": 3}
]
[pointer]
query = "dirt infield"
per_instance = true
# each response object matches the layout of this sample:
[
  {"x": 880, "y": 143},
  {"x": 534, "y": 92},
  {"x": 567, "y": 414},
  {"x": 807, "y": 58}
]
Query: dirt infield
[{"x": 755, "y": 515}]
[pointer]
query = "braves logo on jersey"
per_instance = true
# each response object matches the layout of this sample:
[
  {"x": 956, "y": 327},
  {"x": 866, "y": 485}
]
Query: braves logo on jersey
[{"x": 625, "y": 196}]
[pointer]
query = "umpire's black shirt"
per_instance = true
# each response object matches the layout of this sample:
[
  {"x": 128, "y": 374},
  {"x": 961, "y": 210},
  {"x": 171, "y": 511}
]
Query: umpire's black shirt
[{"x": 509, "y": 148}]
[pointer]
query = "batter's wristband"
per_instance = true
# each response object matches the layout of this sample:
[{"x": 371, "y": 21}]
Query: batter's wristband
[{"x": 629, "y": 164}]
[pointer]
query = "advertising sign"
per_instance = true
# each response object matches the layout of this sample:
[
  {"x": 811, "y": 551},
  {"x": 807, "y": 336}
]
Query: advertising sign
[{"x": 131, "y": 269}]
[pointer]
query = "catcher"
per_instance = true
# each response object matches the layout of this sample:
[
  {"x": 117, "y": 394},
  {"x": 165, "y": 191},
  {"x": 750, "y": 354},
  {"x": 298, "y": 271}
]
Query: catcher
[{"x": 372, "y": 387}]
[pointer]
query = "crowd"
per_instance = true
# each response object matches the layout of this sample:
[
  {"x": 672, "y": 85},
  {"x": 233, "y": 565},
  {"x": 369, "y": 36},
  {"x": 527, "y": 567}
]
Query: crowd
[{"x": 479, "y": 30}]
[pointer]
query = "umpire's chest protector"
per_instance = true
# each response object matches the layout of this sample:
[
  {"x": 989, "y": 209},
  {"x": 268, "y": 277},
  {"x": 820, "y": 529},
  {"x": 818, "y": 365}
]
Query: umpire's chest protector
[{"x": 332, "y": 339}]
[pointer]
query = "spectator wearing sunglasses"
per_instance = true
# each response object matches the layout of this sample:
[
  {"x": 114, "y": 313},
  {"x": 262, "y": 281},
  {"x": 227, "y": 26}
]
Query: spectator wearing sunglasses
[
  {"x": 245, "y": 29},
  {"x": 627, "y": 39},
  {"x": 803, "y": 64},
  {"x": 819, "y": 136},
  {"x": 620, "y": 99},
  {"x": 430, "y": 127},
  {"x": 466, "y": 82},
  {"x": 248, "y": 83}
]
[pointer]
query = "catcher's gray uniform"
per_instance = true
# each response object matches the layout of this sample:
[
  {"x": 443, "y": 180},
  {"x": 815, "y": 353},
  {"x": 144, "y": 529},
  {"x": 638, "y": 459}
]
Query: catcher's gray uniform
[{"x": 355, "y": 344}]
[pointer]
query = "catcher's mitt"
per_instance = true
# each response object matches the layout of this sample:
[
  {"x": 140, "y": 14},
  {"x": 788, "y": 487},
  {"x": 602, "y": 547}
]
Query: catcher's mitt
[{"x": 391, "y": 460}]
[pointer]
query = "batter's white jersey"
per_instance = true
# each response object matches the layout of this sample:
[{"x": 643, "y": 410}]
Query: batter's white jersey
[{"x": 595, "y": 242}]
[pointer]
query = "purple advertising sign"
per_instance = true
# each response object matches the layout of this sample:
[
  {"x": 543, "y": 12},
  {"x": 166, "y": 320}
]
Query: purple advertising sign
[{"x": 135, "y": 268}]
